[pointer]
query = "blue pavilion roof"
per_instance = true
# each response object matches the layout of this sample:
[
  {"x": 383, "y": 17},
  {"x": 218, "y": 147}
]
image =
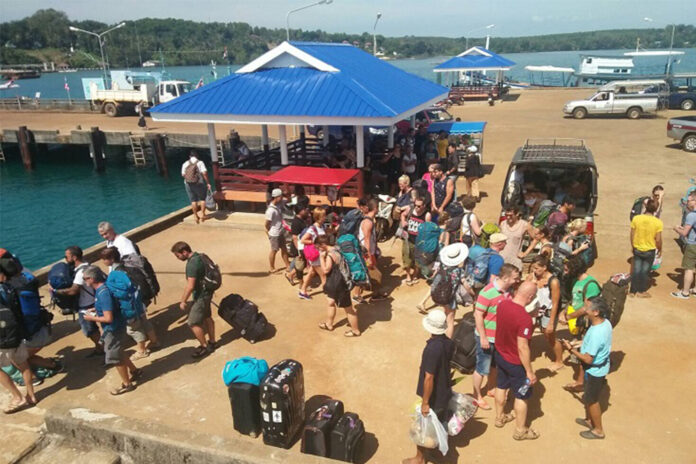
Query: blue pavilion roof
[{"x": 474, "y": 59}]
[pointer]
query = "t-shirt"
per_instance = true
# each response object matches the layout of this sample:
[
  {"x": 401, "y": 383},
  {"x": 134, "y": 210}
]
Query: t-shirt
[
  {"x": 597, "y": 343},
  {"x": 690, "y": 220},
  {"x": 513, "y": 322},
  {"x": 414, "y": 221},
  {"x": 196, "y": 269},
  {"x": 86, "y": 297},
  {"x": 495, "y": 262},
  {"x": 407, "y": 159},
  {"x": 557, "y": 218},
  {"x": 199, "y": 164},
  {"x": 436, "y": 357},
  {"x": 297, "y": 226},
  {"x": 104, "y": 301},
  {"x": 442, "y": 145},
  {"x": 487, "y": 302},
  {"x": 404, "y": 199},
  {"x": 514, "y": 235},
  {"x": 275, "y": 217},
  {"x": 645, "y": 227},
  {"x": 592, "y": 290},
  {"x": 123, "y": 245}
]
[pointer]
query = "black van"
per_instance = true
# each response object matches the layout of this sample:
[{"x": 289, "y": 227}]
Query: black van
[{"x": 552, "y": 169}]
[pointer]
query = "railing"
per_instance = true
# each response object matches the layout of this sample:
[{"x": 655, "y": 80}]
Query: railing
[
  {"x": 47, "y": 104},
  {"x": 458, "y": 94}
]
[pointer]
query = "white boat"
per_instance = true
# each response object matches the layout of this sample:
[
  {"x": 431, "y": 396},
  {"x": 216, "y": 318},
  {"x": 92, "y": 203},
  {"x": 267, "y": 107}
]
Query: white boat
[{"x": 643, "y": 52}]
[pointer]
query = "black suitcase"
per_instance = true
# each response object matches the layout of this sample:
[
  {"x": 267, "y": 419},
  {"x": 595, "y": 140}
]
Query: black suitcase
[
  {"x": 346, "y": 437},
  {"x": 246, "y": 409},
  {"x": 282, "y": 403},
  {"x": 243, "y": 316},
  {"x": 229, "y": 306},
  {"x": 464, "y": 357},
  {"x": 317, "y": 430},
  {"x": 256, "y": 330}
]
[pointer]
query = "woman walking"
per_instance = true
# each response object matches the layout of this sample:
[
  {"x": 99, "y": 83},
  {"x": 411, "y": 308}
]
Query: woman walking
[
  {"x": 548, "y": 302},
  {"x": 336, "y": 288},
  {"x": 473, "y": 172},
  {"x": 311, "y": 253}
]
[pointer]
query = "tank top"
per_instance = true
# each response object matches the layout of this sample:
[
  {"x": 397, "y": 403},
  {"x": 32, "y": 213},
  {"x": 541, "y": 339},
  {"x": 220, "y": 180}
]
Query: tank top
[
  {"x": 373, "y": 238},
  {"x": 440, "y": 190},
  {"x": 413, "y": 223}
]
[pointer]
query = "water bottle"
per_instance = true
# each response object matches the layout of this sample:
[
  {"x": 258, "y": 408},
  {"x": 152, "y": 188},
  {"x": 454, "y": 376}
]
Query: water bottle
[{"x": 524, "y": 388}]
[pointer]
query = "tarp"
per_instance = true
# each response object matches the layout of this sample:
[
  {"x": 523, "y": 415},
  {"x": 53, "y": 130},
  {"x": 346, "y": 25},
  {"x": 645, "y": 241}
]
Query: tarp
[
  {"x": 460, "y": 127},
  {"x": 305, "y": 176}
]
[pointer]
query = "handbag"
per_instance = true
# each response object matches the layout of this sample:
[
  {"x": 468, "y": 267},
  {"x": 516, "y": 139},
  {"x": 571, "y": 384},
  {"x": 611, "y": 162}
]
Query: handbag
[
  {"x": 210, "y": 201},
  {"x": 310, "y": 252}
]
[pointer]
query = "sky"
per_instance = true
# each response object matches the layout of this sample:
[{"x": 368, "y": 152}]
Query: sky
[{"x": 450, "y": 18}]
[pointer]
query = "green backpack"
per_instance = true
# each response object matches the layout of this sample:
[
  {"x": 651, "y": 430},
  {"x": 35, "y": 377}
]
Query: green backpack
[{"x": 486, "y": 231}]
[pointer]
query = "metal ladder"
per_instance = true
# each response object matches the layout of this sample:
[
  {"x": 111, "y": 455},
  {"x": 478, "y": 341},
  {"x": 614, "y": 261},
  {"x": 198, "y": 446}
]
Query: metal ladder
[
  {"x": 220, "y": 153},
  {"x": 138, "y": 149}
]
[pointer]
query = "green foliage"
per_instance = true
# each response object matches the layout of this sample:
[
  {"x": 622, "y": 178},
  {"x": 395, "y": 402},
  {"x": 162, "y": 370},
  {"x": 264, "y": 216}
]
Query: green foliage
[{"x": 181, "y": 42}]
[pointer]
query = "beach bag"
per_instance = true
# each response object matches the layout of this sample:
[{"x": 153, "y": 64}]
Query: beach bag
[
  {"x": 126, "y": 294},
  {"x": 487, "y": 230},
  {"x": 244, "y": 370},
  {"x": 212, "y": 279},
  {"x": 542, "y": 216},
  {"x": 443, "y": 290},
  {"x": 427, "y": 243},
  {"x": 350, "y": 222},
  {"x": 637, "y": 207},
  {"x": 349, "y": 247},
  {"x": 461, "y": 408},
  {"x": 428, "y": 432},
  {"x": 192, "y": 174},
  {"x": 311, "y": 253}
]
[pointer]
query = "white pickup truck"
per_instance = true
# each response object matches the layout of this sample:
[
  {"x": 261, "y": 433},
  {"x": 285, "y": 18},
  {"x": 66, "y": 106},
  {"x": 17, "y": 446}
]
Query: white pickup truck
[
  {"x": 633, "y": 105},
  {"x": 122, "y": 101}
]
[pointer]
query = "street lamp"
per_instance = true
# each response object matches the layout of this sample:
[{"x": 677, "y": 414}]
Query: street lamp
[
  {"x": 374, "y": 35},
  {"x": 287, "y": 16},
  {"x": 101, "y": 42},
  {"x": 671, "y": 45},
  {"x": 490, "y": 26}
]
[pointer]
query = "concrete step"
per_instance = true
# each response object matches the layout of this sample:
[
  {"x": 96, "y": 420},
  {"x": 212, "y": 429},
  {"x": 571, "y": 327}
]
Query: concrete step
[
  {"x": 232, "y": 220},
  {"x": 55, "y": 449}
]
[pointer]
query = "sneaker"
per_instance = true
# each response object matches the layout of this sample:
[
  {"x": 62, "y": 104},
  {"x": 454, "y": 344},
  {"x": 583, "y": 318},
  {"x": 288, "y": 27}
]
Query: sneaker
[
  {"x": 680, "y": 295},
  {"x": 140, "y": 355},
  {"x": 304, "y": 296}
]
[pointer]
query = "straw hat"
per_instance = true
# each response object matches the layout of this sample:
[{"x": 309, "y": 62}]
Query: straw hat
[
  {"x": 454, "y": 254},
  {"x": 435, "y": 322},
  {"x": 497, "y": 238}
]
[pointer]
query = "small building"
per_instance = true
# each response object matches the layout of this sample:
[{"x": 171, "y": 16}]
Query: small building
[{"x": 466, "y": 73}]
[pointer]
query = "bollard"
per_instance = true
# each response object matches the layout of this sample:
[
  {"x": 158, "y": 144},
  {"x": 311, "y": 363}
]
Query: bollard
[
  {"x": 25, "y": 148},
  {"x": 96, "y": 148}
]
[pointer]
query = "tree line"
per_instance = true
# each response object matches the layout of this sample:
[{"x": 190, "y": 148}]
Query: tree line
[{"x": 44, "y": 36}]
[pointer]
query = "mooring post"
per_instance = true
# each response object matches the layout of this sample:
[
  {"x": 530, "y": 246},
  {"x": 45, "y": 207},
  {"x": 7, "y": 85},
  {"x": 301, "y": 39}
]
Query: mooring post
[
  {"x": 161, "y": 156},
  {"x": 25, "y": 148},
  {"x": 96, "y": 147}
]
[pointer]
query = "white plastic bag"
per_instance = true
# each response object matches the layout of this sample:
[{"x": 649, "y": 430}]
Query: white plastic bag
[
  {"x": 462, "y": 408},
  {"x": 428, "y": 432}
]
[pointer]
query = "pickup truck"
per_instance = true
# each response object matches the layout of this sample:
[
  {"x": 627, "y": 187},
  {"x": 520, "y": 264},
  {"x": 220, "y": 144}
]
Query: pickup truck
[
  {"x": 608, "y": 102},
  {"x": 684, "y": 130}
]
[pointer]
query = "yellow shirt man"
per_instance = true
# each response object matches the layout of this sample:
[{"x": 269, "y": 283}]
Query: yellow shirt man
[
  {"x": 645, "y": 228},
  {"x": 442, "y": 148}
]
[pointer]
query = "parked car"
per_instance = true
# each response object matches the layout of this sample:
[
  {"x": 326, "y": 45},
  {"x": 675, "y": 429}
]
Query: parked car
[
  {"x": 633, "y": 105},
  {"x": 684, "y": 130},
  {"x": 682, "y": 93}
]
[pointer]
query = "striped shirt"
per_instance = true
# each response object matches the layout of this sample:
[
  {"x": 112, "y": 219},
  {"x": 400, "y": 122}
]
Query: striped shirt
[{"x": 487, "y": 302}]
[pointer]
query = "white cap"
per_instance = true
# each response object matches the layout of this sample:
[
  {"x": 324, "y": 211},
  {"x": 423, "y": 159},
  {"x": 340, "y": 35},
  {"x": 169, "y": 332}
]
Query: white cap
[{"x": 276, "y": 193}]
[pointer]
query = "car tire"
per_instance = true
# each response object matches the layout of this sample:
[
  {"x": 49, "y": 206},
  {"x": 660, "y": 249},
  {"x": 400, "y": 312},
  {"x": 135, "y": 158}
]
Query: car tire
[
  {"x": 687, "y": 105},
  {"x": 110, "y": 109},
  {"x": 633, "y": 113},
  {"x": 689, "y": 143},
  {"x": 579, "y": 113}
]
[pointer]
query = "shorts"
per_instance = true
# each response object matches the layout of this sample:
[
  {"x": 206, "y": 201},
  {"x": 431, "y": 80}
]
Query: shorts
[
  {"x": 689, "y": 258},
  {"x": 341, "y": 297},
  {"x": 199, "y": 312},
  {"x": 298, "y": 264},
  {"x": 11, "y": 356},
  {"x": 113, "y": 347},
  {"x": 592, "y": 388},
  {"x": 484, "y": 358},
  {"x": 408, "y": 252},
  {"x": 137, "y": 329},
  {"x": 511, "y": 376},
  {"x": 39, "y": 339},
  {"x": 196, "y": 192},
  {"x": 88, "y": 327},
  {"x": 277, "y": 242}
]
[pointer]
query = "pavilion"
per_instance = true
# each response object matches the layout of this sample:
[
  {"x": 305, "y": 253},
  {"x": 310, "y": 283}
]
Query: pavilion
[{"x": 475, "y": 59}]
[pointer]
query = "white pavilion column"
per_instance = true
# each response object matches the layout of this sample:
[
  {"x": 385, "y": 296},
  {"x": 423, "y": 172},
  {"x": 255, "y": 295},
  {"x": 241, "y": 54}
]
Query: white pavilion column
[
  {"x": 283, "y": 145},
  {"x": 413, "y": 121},
  {"x": 212, "y": 143},
  {"x": 390, "y": 137},
  {"x": 360, "y": 145},
  {"x": 264, "y": 136},
  {"x": 325, "y": 134}
]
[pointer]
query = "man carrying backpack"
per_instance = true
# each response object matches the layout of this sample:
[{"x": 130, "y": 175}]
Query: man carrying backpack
[
  {"x": 107, "y": 313},
  {"x": 199, "y": 318},
  {"x": 196, "y": 183},
  {"x": 367, "y": 236},
  {"x": 688, "y": 231},
  {"x": 417, "y": 216},
  {"x": 275, "y": 231}
]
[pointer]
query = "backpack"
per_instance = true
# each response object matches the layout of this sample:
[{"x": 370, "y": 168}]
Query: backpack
[
  {"x": 27, "y": 289},
  {"x": 468, "y": 238},
  {"x": 542, "y": 216},
  {"x": 427, "y": 243},
  {"x": 60, "y": 276},
  {"x": 11, "y": 323},
  {"x": 126, "y": 294},
  {"x": 615, "y": 291},
  {"x": 344, "y": 270},
  {"x": 588, "y": 255},
  {"x": 560, "y": 253},
  {"x": 139, "y": 279},
  {"x": 9, "y": 263},
  {"x": 637, "y": 207},
  {"x": 192, "y": 174},
  {"x": 151, "y": 277},
  {"x": 477, "y": 266},
  {"x": 486, "y": 231},
  {"x": 464, "y": 357},
  {"x": 443, "y": 289},
  {"x": 352, "y": 256},
  {"x": 212, "y": 279},
  {"x": 350, "y": 222}
]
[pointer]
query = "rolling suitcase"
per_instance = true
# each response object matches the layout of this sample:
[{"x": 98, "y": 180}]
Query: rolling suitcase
[
  {"x": 464, "y": 357},
  {"x": 282, "y": 403},
  {"x": 229, "y": 306},
  {"x": 317, "y": 431},
  {"x": 346, "y": 437},
  {"x": 246, "y": 409}
]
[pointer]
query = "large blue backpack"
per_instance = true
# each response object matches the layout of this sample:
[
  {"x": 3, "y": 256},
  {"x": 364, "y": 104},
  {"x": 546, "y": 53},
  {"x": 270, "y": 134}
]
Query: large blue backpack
[
  {"x": 477, "y": 264},
  {"x": 61, "y": 275},
  {"x": 427, "y": 243},
  {"x": 350, "y": 222},
  {"x": 349, "y": 247},
  {"x": 126, "y": 293}
]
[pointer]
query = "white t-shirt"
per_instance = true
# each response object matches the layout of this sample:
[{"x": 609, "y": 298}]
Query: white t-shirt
[
  {"x": 467, "y": 220},
  {"x": 314, "y": 231},
  {"x": 410, "y": 158},
  {"x": 274, "y": 216},
  {"x": 199, "y": 163},
  {"x": 86, "y": 298},
  {"x": 124, "y": 245}
]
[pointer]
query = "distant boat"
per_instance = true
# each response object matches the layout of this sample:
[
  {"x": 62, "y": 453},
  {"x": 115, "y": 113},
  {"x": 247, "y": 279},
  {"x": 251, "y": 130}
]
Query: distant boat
[
  {"x": 8, "y": 85},
  {"x": 150, "y": 64},
  {"x": 643, "y": 52}
]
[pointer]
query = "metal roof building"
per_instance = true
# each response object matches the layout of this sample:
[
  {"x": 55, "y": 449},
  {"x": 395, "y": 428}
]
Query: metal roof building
[{"x": 475, "y": 59}]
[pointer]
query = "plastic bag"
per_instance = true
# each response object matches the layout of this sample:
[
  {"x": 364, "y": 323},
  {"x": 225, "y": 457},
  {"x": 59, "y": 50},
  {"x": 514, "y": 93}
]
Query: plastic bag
[
  {"x": 428, "y": 432},
  {"x": 210, "y": 201},
  {"x": 461, "y": 408}
]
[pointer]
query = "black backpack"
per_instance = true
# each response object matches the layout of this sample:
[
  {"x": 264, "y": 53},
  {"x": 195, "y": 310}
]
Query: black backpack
[
  {"x": 350, "y": 223},
  {"x": 139, "y": 278},
  {"x": 637, "y": 207},
  {"x": 151, "y": 277},
  {"x": 464, "y": 357},
  {"x": 212, "y": 279},
  {"x": 61, "y": 276},
  {"x": 559, "y": 255},
  {"x": 11, "y": 323},
  {"x": 443, "y": 290}
]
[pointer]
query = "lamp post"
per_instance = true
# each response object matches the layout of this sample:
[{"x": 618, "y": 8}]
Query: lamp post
[
  {"x": 287, "y": 16},
  {"x": 101, "y": 42},
  {"x": 374, "y": 35},
  {"x": 490, "y": 26},
  {"x": 671, "y": 45}
]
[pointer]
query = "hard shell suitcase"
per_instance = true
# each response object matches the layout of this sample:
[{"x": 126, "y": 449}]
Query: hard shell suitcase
[
  {"x": 317, "y": 430},
  {"x": 464, "y": 357},
  {"x": 346, "y": 437},
  {"x": 282, "y": 403},
  {"x": 246, "y": 410}
]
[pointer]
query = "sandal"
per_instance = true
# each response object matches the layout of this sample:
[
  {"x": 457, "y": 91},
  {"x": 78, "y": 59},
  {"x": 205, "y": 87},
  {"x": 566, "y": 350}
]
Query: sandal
[
  {"x": 483, "y": 404},
  {"x": 574, "y": 388},
  {"x": 200, "y": 352},
  {"x": 350, "y": 334},
  {"x": 289, "y": 279},
  {"x": 583, "y": 422},
  {"x": 529, "y": 434},
  {"x": 16, "y": 407},
  {"x": 421, "y": 309},
  {"x": 590, "y": 435},
  {"x": 509, "y": 417},
  {"x": 136, "y": 374},
  {"x": 123, "y": 389},
  {"x": 491, "y": 393},
  {"x": 324, "y": 326}
]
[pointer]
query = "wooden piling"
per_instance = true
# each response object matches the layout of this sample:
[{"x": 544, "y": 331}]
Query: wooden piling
[
  {"x": 96, "y": 146},
  {"x": 161, "y": 155},
  {"x": 25, "y": 148}
]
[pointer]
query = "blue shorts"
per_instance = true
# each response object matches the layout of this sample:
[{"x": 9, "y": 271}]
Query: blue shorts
[
  {"x": 511, "y": 376},
  {"x": 88, "y": 327},
  {"x": 484, "y": 358}
]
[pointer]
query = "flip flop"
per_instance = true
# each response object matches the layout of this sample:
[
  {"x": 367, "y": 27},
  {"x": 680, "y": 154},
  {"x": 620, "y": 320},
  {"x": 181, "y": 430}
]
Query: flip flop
[
  {"x": 483, "y": 404},
  {"x": 11, "y": 409},
  {"x": 573, "y": 388},
  {"x": 289, "y": 279},
  {"x": 200, "y": 352},
  {"x": 590, "y": 435},
  {"x": 350, "y": 334},
  {"x": 323, "y": 326},
  {"x": 491, "y": 393},
  {"x": 421, "y": 309}
]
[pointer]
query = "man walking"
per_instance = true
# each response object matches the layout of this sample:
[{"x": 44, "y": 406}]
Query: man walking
[
  {"x": 196, "y": 183},
  {"x": 512, "y": 357},
  {"x": 275, "y": 231},
  {"x": 434, "y": 377},
  {"x": 367, "y": 236},
  {"x": 646, "y": 240},
  {"x": 594, "y": 355},
  {"x": 129, "y": 255},
  {"x": 688, "y": 231},
  {"x": 199, "y": 318},
  {"x": 442, "y": 194},
  {"x": 485, "y": 315}
]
